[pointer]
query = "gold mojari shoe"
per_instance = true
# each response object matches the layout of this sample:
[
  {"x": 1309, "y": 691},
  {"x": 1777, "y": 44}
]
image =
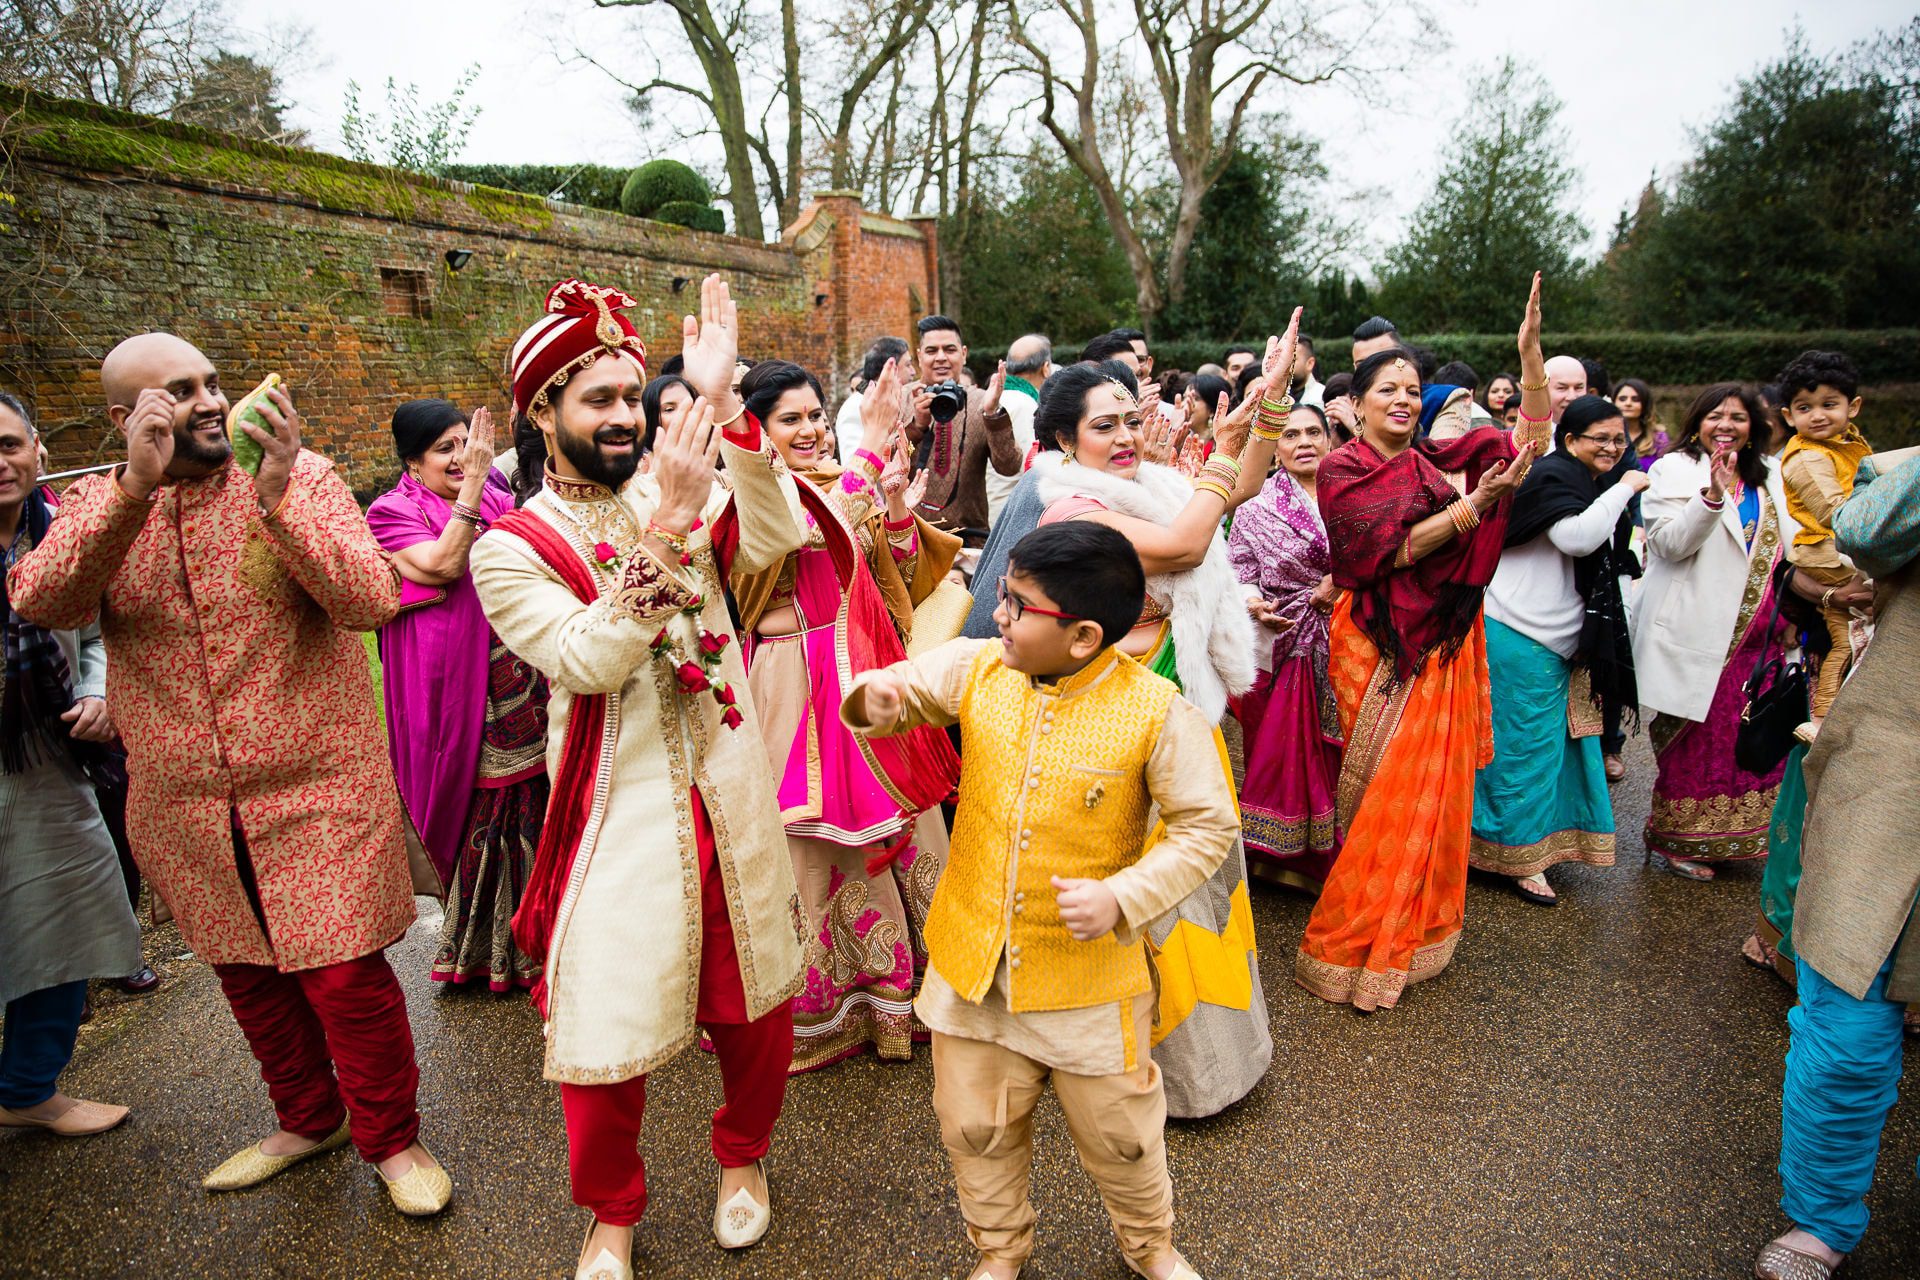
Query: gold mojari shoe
[
  {"x": 421, "y": 1191},
  {"x": 253, "y": 1166},
  {"x": 603, "y": 1265},
  {"x": 1182, "y": 1270},
  {"x": 740, "y": 1220}
]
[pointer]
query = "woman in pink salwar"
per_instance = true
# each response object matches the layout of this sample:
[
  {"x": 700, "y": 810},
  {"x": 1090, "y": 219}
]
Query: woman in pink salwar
[
  {"x": 865, "y": 858},
  {"x": 1289, "y": 719}
]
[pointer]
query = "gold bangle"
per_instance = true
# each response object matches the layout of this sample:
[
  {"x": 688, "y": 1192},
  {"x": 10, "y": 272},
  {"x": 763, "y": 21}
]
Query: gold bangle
[
  {"x": 1534, "y": 386},
  {"x": 1215, "y": 488},
  {"x": 1826, "y": 601},
  {"x": 737, "y": 415},
  {"x": 1283, "y": 406},
  {"x": 1270, "y": 434},
  {"x": 1229, "y": 465},
  {"x": 676, "y": 541}
]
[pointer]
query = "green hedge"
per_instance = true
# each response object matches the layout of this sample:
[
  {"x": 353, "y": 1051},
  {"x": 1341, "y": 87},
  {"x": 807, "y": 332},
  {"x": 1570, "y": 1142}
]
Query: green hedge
[
  {"x": 689, "y": 213},
  {"x": 594, "y": 185},
  {"x": 660, "y": 182},
  {"x": 1689, "y": 359}
]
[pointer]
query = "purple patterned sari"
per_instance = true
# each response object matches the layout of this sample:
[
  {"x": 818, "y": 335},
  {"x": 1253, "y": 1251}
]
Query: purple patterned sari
[{"x": 1289, "y": 719}]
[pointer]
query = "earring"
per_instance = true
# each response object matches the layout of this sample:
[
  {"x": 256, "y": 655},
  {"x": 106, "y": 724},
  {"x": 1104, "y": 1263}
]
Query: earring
[{"x": 1069, "y": 454}]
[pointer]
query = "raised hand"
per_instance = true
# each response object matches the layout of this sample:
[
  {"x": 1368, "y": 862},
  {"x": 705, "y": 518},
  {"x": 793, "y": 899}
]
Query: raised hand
[
  {"x": 149, "y": 428},
  {"x": 710, "y": 347},
  {"x": 996, "y": 387},
  {"x": 880, "y": 406},
  {"x": 1233, "y": 424},
  {"x": 477, "y": 458},
  {"x": 1530, "y": 323},
  {"x": 684, "y": 454},
  {"x": 1276, "y": 369},
  {"x": 1723, "y": 473},
  {"x": 278, "y": 449},
  {"x": 1156, "y": 440}
]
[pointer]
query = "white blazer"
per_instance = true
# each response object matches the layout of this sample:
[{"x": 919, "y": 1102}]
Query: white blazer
[{"x": 1696, "y": 575}]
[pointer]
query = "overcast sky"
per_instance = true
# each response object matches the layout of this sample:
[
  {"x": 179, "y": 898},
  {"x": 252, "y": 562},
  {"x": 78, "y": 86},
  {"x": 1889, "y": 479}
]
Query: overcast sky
[{"x": 1636, "y": 76}]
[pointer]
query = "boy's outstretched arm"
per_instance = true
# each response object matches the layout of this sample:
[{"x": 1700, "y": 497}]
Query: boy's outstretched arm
[{"x": 920, "y": 691}]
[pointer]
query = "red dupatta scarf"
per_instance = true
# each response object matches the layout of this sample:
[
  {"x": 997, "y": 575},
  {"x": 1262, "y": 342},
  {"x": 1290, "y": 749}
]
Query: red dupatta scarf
[
  {"x": 918, "y": 769},
  {"x": 1369, "y": 503},
  {"x": 571, "y": 799}
]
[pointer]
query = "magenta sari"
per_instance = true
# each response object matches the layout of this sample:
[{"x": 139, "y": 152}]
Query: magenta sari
[
  {"x": 434, "y": 661},
  {"x": 1289, "y": 720}
]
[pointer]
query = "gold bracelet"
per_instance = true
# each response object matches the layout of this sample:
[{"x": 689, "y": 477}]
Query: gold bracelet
[
  {"x": 1826, "y": 601},
  {"x": 1534, "y": 386},
  {"x": 1231, "y": 466},
  {"x": 1265, "y": 433},
  {"x": 1404, "y": 560},
  {"x": 737, "y": 415},
  {"x": 678, "y": 542},
  {"x": 1215, "y": 488},
  {"x": 1283, "y": 406}
]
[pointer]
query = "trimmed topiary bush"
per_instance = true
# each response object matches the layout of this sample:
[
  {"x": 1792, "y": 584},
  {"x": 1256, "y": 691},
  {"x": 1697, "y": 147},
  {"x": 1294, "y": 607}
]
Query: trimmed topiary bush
[
  {"x": 662, "y": 182},
  {"x": 686, "y": 213}
]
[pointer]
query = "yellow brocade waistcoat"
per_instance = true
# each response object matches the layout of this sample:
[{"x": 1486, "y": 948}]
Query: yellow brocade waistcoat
[{"x": 1052, "y": 783}]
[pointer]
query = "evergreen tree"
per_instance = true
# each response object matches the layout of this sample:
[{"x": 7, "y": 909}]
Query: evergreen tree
[
  {"x": 1801, "y": 209},
  {"x": 1497, "y": 214}
]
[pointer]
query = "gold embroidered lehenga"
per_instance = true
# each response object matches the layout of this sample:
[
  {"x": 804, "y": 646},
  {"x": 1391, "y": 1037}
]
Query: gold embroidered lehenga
[{"x": 1706, "y": 808}]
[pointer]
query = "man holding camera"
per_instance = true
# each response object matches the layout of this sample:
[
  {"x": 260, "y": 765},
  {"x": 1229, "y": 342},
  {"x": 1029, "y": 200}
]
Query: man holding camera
[{"x": 955, "y": 430}]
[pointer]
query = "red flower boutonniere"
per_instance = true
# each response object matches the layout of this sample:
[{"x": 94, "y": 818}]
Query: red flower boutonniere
[
  {"x": 724, "y": 695},
  {"x": 731, "y": 717},
  {"x": 710, "y": 643},
  {"x": 605, "y": 554},
  {"x": 692, "y": 678},
  {"x": 696, "y": 668}
]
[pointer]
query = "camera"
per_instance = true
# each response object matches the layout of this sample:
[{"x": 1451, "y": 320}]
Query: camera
[{"x": 949, "y": 398}]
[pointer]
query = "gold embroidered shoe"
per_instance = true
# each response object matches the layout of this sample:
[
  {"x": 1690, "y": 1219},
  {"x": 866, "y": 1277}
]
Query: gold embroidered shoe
[
  {"x": 253, "y": 1166},
  {"x": 603, "y": 1265},
  {"x": 421, "y": 1191},
  {"x": 1182, "y": 1270},
  {"x": 740, "y": 1220}
]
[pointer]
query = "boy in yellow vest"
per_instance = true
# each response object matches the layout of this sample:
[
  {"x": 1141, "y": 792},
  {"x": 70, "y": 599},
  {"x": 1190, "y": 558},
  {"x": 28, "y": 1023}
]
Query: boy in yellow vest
[
  {"x": 1038, "y": 964},
  {"x": 1819, "y": 393}
]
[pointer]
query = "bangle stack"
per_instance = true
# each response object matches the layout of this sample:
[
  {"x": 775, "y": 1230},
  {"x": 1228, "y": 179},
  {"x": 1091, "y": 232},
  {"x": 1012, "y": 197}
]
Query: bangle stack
[
  {"x": 1465, "y": 516},
  {"x": 1271, "y": 417},
  {"x": 1826, "y": 601},
  {"x": 1220, "y": 477},
  {"x": 467, "y": 515}
]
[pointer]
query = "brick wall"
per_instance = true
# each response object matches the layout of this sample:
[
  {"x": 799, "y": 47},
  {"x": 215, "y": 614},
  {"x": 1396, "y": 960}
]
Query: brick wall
[{"x": 334, "y": 274}]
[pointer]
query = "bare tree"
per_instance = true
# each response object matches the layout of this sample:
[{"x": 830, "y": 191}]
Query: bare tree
[
  {"x": 131, "y": 54},
  {"x": 1208, "y": 63}
]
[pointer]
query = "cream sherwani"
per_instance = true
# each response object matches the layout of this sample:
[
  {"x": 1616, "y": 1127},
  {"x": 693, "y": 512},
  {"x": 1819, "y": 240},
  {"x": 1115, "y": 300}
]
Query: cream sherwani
[{"x": 624, "y": 964}]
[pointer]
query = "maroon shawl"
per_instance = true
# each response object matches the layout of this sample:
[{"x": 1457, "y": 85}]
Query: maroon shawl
[{"x": 1369, "y": 503}]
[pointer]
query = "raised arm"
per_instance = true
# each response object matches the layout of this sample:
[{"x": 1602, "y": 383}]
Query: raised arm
[
  {"x": 320, "y": 536},
  {"x": 422, "y": 556},
  {"x": 59, "y": 584},
  {"x": 1002, "y": 449},
  {"x": 1536, "y": 404}
]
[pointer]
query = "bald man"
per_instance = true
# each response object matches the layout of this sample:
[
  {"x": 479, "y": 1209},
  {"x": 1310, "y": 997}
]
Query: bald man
[
  {"x": 1566, "y": 382},
  {"x": 261, "y": 802},
  {"x": 1029, "y": 365}
]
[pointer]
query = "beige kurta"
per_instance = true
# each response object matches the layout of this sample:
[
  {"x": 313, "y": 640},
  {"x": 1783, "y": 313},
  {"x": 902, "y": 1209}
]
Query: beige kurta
[
  {"x": 624, "y": 964},
  {"x": 240, "y": 686}
]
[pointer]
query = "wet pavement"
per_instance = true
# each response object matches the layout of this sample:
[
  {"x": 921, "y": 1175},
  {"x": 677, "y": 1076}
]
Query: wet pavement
[{"x": 1588, "y": 1091}]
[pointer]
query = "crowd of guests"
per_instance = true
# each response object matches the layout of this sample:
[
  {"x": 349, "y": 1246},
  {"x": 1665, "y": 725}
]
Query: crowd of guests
[{"x": 915, "y": 717}]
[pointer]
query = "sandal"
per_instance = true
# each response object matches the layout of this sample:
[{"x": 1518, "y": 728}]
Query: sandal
[
  {"x": 1757, "y": 953},
  {"x": 1684, "y": 868},
  {"x": 1777, "y": 1262},
  {"x": 1535, "y": 889}
]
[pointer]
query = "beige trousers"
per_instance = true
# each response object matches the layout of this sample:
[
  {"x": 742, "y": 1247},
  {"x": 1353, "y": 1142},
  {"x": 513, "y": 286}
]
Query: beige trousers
[{"x": 985, "y": 1095}]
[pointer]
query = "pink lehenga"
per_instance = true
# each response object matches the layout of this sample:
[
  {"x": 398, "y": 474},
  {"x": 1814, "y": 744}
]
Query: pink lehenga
[
  {"x": 863, "y": 819},
  {"x": 1289, "y": 720}
]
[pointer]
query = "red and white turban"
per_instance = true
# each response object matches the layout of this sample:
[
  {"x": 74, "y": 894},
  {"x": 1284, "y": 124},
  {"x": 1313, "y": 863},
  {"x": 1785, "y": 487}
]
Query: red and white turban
[{"x": 583, "y": 322}]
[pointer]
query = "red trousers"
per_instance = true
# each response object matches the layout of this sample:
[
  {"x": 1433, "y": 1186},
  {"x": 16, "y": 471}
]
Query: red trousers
[
  {"x": 303, "y": 1026},
  {"x": 603, "y": 1120}
]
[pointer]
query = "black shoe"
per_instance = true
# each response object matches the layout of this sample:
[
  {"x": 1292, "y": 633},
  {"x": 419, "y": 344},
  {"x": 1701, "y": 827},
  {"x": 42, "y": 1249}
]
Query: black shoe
[{"x": 139, "y": 982}]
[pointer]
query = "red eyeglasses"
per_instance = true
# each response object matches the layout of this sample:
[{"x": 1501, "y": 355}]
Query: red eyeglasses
[{"x": 1015, "y": 606}]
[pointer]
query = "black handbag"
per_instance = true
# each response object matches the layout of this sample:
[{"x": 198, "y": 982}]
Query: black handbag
[{"x": 1776, "y": 705}]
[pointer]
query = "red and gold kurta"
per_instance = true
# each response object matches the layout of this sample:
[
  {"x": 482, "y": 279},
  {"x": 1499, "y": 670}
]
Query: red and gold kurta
[{"x": 239, "y": 685}]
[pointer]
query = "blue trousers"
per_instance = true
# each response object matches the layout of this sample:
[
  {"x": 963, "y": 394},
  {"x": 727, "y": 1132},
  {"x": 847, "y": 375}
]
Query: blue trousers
[
  {"x": 1843, "y": 1075},
  {"x": 41, "y": 1028}
]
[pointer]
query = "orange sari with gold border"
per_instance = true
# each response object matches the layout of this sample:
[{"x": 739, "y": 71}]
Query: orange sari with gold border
[{"x": 1394, "y": 902}]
